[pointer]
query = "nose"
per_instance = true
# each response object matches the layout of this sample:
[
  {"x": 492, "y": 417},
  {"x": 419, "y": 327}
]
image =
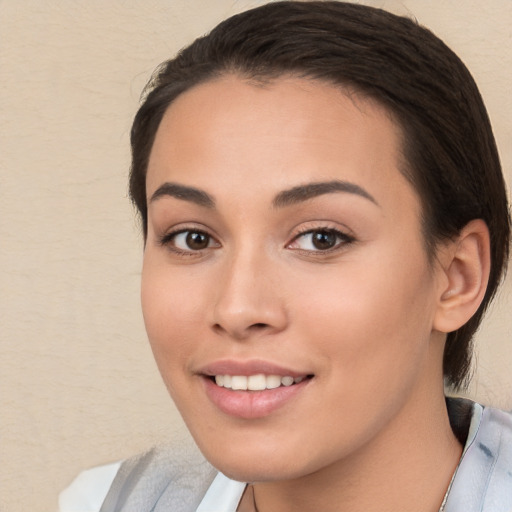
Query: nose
[{"x": 249, "y": 301}]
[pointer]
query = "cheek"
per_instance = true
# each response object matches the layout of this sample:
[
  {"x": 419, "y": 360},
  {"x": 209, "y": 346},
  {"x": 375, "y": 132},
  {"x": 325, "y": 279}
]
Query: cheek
[
  {"x": 372, "y": 317},
  {"x": 170, "y": 314}
]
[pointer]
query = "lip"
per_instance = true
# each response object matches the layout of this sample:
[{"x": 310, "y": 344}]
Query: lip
[
  {"x": 251, "y": 404},
  {"x": 249, "y": 367}
]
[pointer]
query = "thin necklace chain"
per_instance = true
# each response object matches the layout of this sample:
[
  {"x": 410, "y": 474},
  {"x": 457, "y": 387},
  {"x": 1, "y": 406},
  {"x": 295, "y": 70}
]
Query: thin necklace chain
[
  {"x": 256, "y": 506},
  {"x": 254, "y": 500}
]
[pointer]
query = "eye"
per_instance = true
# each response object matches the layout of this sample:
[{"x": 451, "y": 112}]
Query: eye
[
  {"x": 315, "y": 240},
  {"x": 189, "y": 240}
]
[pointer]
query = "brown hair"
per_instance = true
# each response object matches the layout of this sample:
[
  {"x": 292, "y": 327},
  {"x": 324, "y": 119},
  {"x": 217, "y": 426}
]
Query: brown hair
[{"x": 449, "y": 150}]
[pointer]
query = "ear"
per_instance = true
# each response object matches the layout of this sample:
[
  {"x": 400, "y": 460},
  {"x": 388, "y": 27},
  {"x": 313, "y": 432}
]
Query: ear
[{"x": 465, "y": 264}]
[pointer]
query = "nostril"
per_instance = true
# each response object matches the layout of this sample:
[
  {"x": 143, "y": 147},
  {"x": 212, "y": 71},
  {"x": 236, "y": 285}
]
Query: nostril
[
  {"x": 218, "y": 328},
  {"x": 259, "y": 325}
]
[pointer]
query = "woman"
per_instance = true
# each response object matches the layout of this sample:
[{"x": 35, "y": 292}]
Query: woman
[{"x": 325, "y": 223}]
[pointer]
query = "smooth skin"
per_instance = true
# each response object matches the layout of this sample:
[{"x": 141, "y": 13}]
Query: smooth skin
[{"x": 335, "y": 284}]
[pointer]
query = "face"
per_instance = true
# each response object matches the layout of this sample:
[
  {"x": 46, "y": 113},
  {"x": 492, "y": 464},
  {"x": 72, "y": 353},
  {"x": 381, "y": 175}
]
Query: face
[{"x": 286, "y": 292}]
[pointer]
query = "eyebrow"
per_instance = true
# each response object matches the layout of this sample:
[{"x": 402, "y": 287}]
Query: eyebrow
[
  {"x": 285, "y": 198},
  {"x": 310, "y": 190},
  {"x": 185, "y": 193}
]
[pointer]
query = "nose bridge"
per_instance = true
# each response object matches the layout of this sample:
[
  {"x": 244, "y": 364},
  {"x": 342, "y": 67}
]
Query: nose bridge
[{"x": 248, "y": 299}]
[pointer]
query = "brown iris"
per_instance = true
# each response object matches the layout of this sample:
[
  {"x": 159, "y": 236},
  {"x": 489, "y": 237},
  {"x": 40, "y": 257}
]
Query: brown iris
[
  {"x": 323, "y": 240},
  {"x": 196, "y": 240}
]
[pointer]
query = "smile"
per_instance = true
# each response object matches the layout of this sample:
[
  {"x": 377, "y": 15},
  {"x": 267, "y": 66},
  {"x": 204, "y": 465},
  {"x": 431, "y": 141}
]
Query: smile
[
  {"x": 254, "y": 396},
  {"x": 258, "y": 382}
]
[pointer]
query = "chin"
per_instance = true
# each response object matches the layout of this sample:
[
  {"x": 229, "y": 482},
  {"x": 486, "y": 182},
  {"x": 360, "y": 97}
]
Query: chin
[
  {"x": 260, "y": 463},
  {"x": 258, "y": 471}
]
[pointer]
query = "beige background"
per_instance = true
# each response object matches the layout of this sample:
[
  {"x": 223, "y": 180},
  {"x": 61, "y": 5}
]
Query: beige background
[{"x": 78, "y": 386}]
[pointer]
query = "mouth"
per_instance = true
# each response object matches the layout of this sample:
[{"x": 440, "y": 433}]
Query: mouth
[
  {"x": 253, "y": 388},
  {"x": 256, "y": 382},
  {"x": 254, "y": 395}
]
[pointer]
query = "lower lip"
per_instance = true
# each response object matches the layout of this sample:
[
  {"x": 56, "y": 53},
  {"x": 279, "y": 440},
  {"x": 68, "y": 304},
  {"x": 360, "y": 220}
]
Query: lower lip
[{"x": 251, "y": 404}]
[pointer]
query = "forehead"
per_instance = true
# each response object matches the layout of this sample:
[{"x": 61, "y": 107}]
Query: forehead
[{"x": 268, "y": 137}]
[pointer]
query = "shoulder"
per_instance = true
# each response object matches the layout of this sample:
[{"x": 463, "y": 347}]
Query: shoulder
[
  {"x": 88, "y": 490},
  {"x": 167, "y": 477},
  {"x": 483, "y": 480}
]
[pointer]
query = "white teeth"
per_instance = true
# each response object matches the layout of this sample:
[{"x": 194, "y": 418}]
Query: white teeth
[
  {"x": 257, "y": 382},
  {"x": 287, "y": 381},
  {"x": 273, "y": 381},
  {"x": 238, "y": 382}
]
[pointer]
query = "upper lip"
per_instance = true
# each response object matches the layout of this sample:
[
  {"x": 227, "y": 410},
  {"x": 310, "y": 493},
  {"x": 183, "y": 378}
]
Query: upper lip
[{"x": 248, "y": 367}]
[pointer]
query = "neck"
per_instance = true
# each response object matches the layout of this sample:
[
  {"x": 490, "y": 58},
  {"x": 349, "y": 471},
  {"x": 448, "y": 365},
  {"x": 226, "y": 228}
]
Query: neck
[{"x": 410, "y": 464}]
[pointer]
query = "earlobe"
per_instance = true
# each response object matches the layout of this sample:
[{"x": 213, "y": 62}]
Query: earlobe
[{"x": 466, "y": 266}]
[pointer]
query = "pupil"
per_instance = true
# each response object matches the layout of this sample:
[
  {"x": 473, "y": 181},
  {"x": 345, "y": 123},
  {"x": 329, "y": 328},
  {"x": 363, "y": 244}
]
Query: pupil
[
  {"x": 324, "y": 239},
  {"x": 197, "y": 240}
]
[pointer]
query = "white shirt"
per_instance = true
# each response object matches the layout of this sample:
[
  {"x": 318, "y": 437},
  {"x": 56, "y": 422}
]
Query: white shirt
[
  {"x": 482, "y": 482},
  {"x": 88, "y": 490}
]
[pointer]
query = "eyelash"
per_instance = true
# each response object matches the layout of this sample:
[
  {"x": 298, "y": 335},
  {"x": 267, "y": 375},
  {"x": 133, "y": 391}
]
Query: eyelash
[
  {"x": 342, "y": 240},
  {"x": 168, "y": 239}
]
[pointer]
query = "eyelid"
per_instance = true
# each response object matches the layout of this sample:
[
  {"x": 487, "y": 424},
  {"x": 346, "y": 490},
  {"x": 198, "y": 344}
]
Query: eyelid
[
  {"x": 165, "y": 240},
  {"x": 344, "y": 236}
]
